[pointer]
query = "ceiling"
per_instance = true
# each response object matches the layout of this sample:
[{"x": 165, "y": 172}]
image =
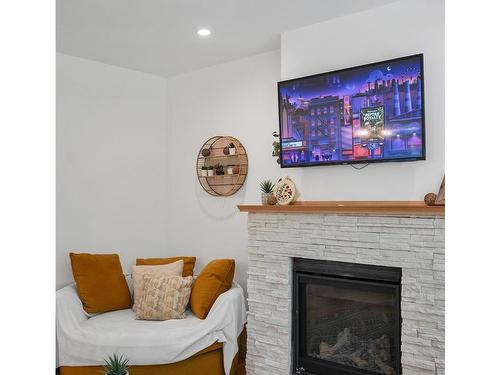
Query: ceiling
[{"x": 159, "y": 36}]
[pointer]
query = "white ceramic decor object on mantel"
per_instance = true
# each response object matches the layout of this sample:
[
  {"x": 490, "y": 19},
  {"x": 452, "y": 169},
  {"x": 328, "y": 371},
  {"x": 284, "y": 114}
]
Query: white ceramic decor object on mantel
[{"x": 285, "y": 191}]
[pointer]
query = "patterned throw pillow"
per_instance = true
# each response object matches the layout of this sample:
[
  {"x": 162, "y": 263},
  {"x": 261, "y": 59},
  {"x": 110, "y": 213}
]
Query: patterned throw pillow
[
  {"x": 138, "y": 272},
  {"x": 165, "y": 297}
]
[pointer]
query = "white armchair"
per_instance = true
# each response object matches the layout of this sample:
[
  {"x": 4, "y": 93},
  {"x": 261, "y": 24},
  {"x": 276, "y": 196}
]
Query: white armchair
[{"x": 85, "y": 340}]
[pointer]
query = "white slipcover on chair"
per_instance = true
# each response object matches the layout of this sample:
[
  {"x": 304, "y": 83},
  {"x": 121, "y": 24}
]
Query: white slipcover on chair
[{"x": 84, "y": 340}]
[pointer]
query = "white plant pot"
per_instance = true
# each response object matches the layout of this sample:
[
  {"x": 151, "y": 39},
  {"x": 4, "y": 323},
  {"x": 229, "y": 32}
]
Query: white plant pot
[
  {"x": 232, "y": 150},
  {"x": 229, "y": 170},
  {"x": 210, "y": 172},
  {"x": 204, "y": 173}
]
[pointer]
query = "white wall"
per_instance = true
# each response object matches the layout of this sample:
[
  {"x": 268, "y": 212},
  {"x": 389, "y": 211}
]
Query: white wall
[
  {"x": 112, "y": 188},
  {"x": 397, "y": 29},
  {"x": 127, "y": 141},
  {"x": 238, "y": 99}
]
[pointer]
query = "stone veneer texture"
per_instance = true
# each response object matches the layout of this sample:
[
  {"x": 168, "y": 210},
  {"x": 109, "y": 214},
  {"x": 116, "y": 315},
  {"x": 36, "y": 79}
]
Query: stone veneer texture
[{"x": 414, "y": 243}]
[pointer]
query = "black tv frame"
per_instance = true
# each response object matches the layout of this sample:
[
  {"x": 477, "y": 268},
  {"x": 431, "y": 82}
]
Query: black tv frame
[{"x": 424, "y": 152}]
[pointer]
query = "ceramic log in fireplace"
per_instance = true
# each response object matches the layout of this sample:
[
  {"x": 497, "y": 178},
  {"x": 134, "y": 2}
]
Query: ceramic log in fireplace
[{"x": 346, "y": 318}]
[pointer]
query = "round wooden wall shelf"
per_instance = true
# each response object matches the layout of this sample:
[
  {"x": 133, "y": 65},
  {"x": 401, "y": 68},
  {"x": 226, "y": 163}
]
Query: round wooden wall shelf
[{"x": 232, "y": 164}]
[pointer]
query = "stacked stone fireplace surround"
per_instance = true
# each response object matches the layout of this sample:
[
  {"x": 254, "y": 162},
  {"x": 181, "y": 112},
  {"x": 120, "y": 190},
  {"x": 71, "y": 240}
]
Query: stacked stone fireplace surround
[{"x": 414, "y": 243}]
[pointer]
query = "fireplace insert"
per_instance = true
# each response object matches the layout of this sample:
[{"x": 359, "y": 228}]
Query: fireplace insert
[{"x": 346, "y": 318}]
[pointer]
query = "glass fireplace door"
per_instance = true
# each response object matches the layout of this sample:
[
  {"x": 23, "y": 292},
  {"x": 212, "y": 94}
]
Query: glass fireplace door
[{"x": 348, "y": 325}]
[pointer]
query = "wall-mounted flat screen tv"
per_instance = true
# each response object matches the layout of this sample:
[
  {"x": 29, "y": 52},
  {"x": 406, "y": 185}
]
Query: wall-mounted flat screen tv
[{"x": 365, "y": 114}]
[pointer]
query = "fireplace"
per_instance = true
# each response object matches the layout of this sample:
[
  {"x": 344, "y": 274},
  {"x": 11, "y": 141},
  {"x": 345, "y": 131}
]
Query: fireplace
[{"x": 346, "y": 318}]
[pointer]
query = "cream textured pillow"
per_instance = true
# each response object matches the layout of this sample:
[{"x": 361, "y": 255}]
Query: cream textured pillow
[
  {"x": 138, "y": 272},
  {"x": 165, "y": 297}
]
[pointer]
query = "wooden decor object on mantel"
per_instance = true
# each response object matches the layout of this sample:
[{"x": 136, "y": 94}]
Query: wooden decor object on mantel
[
  {"x": 236, "y": 161},
  {"x": 440, "y": 201}
]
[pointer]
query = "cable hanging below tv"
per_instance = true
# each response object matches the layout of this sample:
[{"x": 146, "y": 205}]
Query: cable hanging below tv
[{"x": 364, "y": 114}]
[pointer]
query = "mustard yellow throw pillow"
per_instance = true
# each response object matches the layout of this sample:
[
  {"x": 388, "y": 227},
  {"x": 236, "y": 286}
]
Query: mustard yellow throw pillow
[
  {"x": 172, "y": 269},
  {"x": 215, "y": 279},
  {"x": 100, "y": 282},
  {"x": 189, "y": 263},
  {"x": 164, "y": 298}
]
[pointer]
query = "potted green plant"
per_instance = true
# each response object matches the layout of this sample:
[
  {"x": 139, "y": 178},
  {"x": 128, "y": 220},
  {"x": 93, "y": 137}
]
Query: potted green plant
[
  {"x": 210, "y": 170},
  {"x": 267, "y": 196},
  {"x": 115, "y": 365},
  {"x": 204, "y": 171},
  {"x": 230, "y": 149},
  {"x": 276, "y": 148}
]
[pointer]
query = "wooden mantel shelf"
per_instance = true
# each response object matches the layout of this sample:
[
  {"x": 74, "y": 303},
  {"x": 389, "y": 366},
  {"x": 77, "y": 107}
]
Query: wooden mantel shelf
[{"x": 351, "y": 207}]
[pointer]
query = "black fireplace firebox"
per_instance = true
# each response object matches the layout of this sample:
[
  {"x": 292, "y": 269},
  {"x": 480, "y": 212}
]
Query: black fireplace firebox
[{"x": 346, "y": 318}]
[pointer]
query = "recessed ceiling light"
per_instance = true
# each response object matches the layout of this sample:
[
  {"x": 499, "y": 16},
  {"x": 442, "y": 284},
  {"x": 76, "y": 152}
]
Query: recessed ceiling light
[{"x": 204, "y": 32}]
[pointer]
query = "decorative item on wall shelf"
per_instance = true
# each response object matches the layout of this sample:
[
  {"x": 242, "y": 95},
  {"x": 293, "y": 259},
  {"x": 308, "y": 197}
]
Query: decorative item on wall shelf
[
  {"x": 219, "y": 170},
  {"x": 267, "y": 193},
  {"x": 204, "y": 171},
  {"x": 230, "y": 149},
  {"x": 285, "y": 191},
  {"x": 226, "y": 164}
]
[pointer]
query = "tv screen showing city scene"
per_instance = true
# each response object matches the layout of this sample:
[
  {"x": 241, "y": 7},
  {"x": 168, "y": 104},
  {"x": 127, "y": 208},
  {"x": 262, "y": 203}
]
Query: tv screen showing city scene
[{"x": 369, "y": 113}]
